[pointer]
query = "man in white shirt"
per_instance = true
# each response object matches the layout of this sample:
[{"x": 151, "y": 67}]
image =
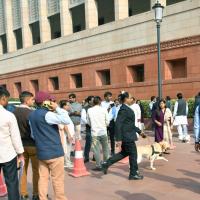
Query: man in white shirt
[
  {"x": 107, "y": 101},
  {"x": 136, "y": 109},
  {"x": 98, "y": 120},
  {"x": 11, "y": 147}
]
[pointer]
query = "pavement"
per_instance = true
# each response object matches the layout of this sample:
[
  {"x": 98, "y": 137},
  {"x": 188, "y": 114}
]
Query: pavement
[{"x": 178, "y": 179}]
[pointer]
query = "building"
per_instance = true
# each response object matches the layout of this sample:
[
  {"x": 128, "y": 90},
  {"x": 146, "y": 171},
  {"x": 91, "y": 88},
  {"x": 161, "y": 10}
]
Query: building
[{"x": 92, "y": 46}]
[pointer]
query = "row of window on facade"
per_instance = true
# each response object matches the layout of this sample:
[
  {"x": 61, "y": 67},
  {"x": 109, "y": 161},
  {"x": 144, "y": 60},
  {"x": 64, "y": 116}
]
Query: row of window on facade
[
  {"x": 106, "y": 14},
  {"x": 173, "y": 69}
]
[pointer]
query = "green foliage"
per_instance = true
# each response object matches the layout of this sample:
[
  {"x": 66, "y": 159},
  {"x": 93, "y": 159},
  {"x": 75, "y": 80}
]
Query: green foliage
[{"x": 147, "y": 114}]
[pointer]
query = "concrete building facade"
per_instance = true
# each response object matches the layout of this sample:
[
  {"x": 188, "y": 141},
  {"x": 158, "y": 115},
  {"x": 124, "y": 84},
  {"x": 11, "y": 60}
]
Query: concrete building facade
[{"x": 92, "y": 46}]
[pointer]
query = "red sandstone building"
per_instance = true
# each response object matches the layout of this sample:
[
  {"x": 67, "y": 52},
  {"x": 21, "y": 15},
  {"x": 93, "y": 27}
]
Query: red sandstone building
[{"x": 92, "y": 46}]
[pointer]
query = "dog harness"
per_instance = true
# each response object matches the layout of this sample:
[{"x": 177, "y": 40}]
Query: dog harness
[{"x": 153, "y": 151}]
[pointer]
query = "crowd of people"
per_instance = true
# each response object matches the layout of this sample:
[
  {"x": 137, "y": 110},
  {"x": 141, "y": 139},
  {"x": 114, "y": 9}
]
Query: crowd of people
[{"x": 44, "y": 131}]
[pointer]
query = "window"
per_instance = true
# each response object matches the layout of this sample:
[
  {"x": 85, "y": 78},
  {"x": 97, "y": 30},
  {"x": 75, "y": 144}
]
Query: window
[
  {"x": 35, "y": 86},
  {"x": 35, "y": 30},
  {"x": 76, "y": 81},
  {"x": 3, "y": 85},
  {"x": 104, "y": 77},
  {"x": 169, "y": 2},
  {"x": 137, "y": 73},
  {"x": 4, "y": 43},
  {"x": 106, "y": 11},
  {"x": 139, "y": 6},
  {"x": 54, "y": 21},
  {"x": 54, "y": 83},
  {"x": 18, "y": 37},
  {"x": 176, "y": 68},
  {"x": 78, "y": 18},
  {"x": 18, "y": 88}
]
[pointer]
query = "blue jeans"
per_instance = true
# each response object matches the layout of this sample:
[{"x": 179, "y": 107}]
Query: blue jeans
[{"x": 11, "y": 178}]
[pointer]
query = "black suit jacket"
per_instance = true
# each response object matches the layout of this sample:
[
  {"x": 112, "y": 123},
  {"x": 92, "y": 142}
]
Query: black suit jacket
[{"x": 125, "y": 129}]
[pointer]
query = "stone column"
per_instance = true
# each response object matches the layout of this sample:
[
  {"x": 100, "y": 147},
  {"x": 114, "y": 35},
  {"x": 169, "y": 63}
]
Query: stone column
[
  {"x": 65, "y": 18},
  {"x": 26, "y": 31},
  {"x": 45, "y": 29},
  {"x": 11, "y": 41},
  {"x": 121, "y": 9},
  {"x": 91, "y": 14}
]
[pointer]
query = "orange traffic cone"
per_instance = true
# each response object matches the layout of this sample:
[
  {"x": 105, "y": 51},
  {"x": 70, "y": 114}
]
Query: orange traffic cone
[
  {"x": 3, "y": 189},
  {"x": 125, "y": 160},
  {"x": 79, "y": 167}
]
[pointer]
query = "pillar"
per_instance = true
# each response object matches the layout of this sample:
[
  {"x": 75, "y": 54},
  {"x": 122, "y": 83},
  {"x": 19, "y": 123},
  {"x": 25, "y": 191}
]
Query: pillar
[
  {"x": 11, "y": 41},
  {"x": 45, "y": 29},
  {"x": 91, "y": 14},
  {"x": 65, "y": 18},
  {"x": 121, "y": 9},
  {"x": 26, "y": 30}
]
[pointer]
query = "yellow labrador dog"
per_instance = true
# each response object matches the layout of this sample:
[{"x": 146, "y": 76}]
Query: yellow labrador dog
[{"x": 152, "y": 152}]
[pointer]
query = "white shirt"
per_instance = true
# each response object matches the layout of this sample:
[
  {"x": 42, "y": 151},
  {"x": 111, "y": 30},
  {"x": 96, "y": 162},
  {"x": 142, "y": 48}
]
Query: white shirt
[
  {"x": 10, "y": 139},
  {"x": 106, "y": 104},
  {"x": 136, "y": 109},
  {"x": 98, "y": 119}
]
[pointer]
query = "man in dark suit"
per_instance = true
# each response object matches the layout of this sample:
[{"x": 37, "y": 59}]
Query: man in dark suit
[{"x": 126, "y": 136}]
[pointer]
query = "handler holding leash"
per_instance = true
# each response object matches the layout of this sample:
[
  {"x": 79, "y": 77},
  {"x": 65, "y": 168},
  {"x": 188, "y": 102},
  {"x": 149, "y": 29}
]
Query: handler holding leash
[{"x": 126, "y": 136}]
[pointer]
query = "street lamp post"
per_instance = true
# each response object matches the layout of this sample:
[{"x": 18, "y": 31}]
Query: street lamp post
[{"x": 158, "y": 8}]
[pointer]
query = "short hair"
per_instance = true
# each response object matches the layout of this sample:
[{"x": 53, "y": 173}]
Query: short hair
[
  {"x": 63, "y": 103},
  {"x": 152, "y": 98},
  {"x": 124, "y": 96},
  {"x": 106, "y": 94},
  {"x": 168, "y": 98},
  {"x": 25, "y": 94},
  {"x": 72, "y": 95},
  {"x": 4, "y": 92},
  {"x": 133, "y": 98},
  {"x": 97, "y": 100},
  {"x": 89, "y": 98},
  {"x": 179, "y": 95}
]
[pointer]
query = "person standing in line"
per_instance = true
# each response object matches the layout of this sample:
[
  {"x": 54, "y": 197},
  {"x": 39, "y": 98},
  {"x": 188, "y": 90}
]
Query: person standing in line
[
  {"x": 44, "y": 127},
  {"x": 75, "y": 115},
  {"x": 88, "y": 138},
  {"x": 11, "y": 148},
  {"x": 67, "y": 131},
  {"x": 107, "y": 101},
  {"x": 197, "y": 128},
  {"x": 98, "y": 120},
  {"x": 22, "y": 114},
  {"x": 126, "y": 136},
  {"x": 180, "y": 118}
]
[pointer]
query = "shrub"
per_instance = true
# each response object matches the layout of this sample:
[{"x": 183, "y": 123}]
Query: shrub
[{"x": 147, "y": 113}]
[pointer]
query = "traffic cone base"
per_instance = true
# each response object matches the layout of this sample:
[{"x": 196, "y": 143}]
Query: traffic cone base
[
  {"x": 125, "y": 160},
  {"x": 3, "y": 188},
  {"x": 79, "y": 166}
]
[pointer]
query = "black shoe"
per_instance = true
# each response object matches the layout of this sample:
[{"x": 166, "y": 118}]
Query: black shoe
[
  {"x": 86, "y": 160},
  {"x": 166, "y": 152},
  {"x": 135, "y": 177},
  {"x": 104, "y": 167},
  {"x": 72, "y": 154},
  {"x": 23, "y": 197},
  {"x": 35, "y": 197},
  {"x": 93, "y": 159},
  {"x": 184, "y": 141},
  {"x": 98, "y": 169}
]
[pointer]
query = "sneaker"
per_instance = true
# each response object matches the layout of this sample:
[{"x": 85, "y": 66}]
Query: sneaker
[
  {"x": 24, "y": 197},
  {"x": 135, "y": 177}
]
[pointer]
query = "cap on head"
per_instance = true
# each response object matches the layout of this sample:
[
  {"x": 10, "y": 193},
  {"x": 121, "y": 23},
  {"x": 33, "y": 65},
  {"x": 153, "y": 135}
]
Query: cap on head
[{"x": 41, "y": 96}]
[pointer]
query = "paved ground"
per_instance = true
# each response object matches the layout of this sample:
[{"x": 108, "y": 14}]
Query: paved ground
[{"x": 178, "y": 179}]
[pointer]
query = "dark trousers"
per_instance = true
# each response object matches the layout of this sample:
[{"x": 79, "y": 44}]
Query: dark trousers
[
  {"x": 11, "y": 178},
  {"x": 88, "y": 143},
  {"x": 128, "y": 149},
  {"x": 111, "y": 130}
]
